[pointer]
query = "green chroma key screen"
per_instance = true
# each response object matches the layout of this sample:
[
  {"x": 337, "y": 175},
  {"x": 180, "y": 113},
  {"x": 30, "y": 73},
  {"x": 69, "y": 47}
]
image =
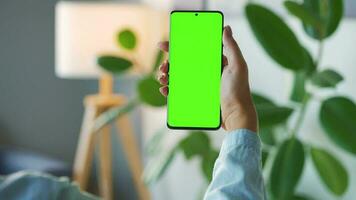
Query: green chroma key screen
[{"x": 195, "y": 61}]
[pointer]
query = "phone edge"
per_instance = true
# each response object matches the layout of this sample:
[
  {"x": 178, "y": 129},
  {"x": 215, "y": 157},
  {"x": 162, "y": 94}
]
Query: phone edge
[{"x": 222, "y": 29}]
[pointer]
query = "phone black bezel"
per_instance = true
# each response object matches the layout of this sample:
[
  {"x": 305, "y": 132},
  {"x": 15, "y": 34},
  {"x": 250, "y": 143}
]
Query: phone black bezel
[{"x": 222, "y": 29}]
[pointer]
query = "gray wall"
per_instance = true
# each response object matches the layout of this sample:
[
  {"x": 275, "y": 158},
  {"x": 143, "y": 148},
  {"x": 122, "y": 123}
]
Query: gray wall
[
  {"x": 39, "y": 111},
  {"x": 350, "y": 8}
]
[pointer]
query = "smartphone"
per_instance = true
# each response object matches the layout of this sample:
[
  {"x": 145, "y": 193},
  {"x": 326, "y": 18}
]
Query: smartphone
[{"x": 195, "y": 66}]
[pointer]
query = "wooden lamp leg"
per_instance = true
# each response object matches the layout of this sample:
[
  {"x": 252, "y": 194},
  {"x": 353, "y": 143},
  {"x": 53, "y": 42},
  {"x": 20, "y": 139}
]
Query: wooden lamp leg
[
  {"x": 94, "y": 105},
  {"x": 105, "y": 157},
  {"x": 132, "y": 153},
  {"x": 85, "y": 149}
]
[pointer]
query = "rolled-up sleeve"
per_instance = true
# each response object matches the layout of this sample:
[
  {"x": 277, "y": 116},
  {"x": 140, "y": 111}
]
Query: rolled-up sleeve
[{"x": 238, "y": 172}]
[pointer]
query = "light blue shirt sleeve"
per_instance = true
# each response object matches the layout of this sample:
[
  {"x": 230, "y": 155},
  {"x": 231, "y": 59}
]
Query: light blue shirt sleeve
[
  {"x": 238, "y": 170},
  {"x": 29, "y": 185}
]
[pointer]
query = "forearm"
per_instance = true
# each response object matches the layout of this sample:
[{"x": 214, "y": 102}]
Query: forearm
[{"x": 237, "y": 171}]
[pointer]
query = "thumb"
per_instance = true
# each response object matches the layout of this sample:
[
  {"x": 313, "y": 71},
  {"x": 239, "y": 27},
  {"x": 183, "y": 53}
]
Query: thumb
[{"x": 231, "y": 49}]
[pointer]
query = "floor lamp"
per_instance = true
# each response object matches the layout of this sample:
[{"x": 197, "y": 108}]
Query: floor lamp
[{"x": 84, "y": 31}]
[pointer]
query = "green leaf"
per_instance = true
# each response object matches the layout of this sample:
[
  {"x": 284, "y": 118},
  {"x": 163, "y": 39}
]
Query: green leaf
[
  {"x": 259, "y": 99},
  {"x": 114, "y": 64},
  {"x": 326, "y": 78},
  {"x": 127, "y": 39},
  {"x": 328, "y": 12},
  {"x": 287, "y": 169},
  {"x": 276, "y": 37},
  {"x": 148, "y": 89},
  {"x": 264, "y": 157},
  {"x": 158, "y": 61},
  {"x": 298, "y": 90},
  {"x": 154, "y": 144},
  {"x": 156, "y": 168},
  {"x": 112, "y": 114},
  {"x": 337, "y": 117},
  {"x": 267, "y": 136},
  {"x": 196, "y": 143},
  {"x": 299, "y": 11},
  {"x": 270, "y": 114},
  {"x": 310, "y": 66},
  {"x": 330, "y": 171},
  {"x": 208, "y": 162}
]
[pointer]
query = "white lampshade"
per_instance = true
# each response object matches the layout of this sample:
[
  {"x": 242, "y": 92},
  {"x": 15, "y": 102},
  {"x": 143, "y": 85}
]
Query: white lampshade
[{"x": 86, "y": 30}]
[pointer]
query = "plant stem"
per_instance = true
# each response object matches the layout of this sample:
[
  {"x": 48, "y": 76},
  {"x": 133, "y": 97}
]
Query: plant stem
[
  {"x": 301, "y": 115},
  {"x": 320, "y": 53},
  {"x": 113, "y": 113},
  {"x": 307, "y": 96}
]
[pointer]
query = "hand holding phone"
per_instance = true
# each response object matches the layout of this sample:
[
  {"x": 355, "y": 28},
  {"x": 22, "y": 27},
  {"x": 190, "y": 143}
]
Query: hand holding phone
[{"x": 236, "y": 104}]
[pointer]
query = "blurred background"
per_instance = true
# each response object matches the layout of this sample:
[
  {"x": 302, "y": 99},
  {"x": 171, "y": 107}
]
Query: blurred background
[{"x": 41, "y": 113}]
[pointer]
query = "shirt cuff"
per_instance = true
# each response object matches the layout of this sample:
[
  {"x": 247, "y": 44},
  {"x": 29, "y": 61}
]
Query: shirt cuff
[{"x": 241, "y": 137}]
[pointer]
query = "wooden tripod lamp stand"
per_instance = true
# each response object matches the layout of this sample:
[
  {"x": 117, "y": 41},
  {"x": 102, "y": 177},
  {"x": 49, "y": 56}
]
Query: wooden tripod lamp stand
[
  {"x": 94, "y": 106},
  {"x": 83, "y": 32}
]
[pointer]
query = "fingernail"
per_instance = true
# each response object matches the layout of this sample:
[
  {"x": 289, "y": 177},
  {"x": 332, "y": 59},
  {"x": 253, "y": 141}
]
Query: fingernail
[
  {"x": 163, "y": 90},
  {"x": 161, "y": 77}
]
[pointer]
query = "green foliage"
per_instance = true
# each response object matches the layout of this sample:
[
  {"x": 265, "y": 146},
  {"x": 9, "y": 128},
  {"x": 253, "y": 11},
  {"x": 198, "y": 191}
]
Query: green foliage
[
  {"x": 287, "y": 169},
  {"x": 327, "y": 12},
  {"x": 270, "y": 114},
  {"x": 259, "y": 99},
  {"x": 300, "y": 197},
  {"x": 114, "y": 64},
  {"x": 110, "y": 115},
  {"x": 148, "y": 86},
  {"x": 276, "y": 37},
  {"x": 330, "y": 170},
  {"x": 264, "y": 156},
  {"x": 148, "y": 90},
  {"x": 320, "y": 19},
  {"x": 154, "y": 144},
  {"x": 157, "y": 167},
  {"x": 126, "y": 39},
  {"x": 196, "y": 143},
  {"x": 267, "y": 136},
  {"x": 298, "y": 91},
  {"x": 326, "y": 78},
  {"x": 299, "y": 11},
  {"x": 337, "y": 117},
  {"x": 207, "y": 164},
  {"x": 310, "y": 66}
]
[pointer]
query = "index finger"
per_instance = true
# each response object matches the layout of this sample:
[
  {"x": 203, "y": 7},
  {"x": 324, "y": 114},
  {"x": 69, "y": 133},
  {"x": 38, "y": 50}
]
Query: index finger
[{"x": 164, "y": 46}]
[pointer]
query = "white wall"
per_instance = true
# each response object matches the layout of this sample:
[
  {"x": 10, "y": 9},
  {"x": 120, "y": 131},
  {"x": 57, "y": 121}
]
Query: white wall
[{"x": 183, "y": 179}]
